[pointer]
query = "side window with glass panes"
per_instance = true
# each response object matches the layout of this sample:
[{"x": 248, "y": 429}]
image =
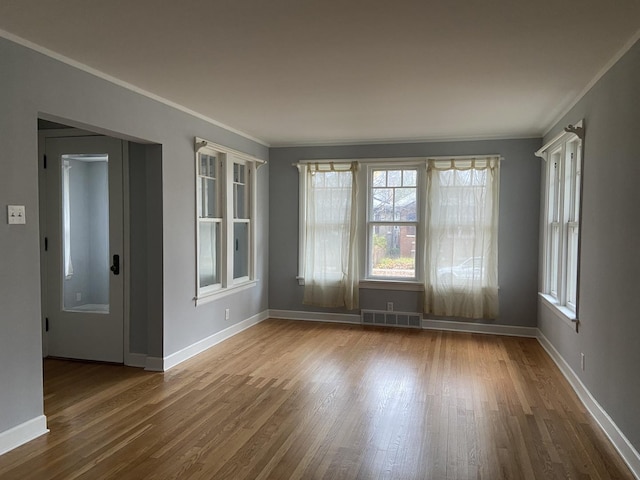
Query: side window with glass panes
[{"x": 209, "y": 219}]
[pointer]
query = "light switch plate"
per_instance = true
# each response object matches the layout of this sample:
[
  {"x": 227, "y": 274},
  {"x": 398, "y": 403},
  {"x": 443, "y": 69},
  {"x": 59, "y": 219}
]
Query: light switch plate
[{"x": 16, "y": 214}]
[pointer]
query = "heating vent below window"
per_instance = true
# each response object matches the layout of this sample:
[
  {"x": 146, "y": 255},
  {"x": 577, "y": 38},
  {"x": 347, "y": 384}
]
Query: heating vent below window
[{"x": 391, "y": 319}]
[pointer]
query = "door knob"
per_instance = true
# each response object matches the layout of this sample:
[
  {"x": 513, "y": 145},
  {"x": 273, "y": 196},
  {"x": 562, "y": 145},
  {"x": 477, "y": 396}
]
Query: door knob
[{"x": 115, "y": 268}]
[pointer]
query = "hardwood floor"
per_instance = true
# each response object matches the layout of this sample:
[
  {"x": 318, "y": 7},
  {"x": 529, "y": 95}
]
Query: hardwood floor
[{"x": 306, "y": 400}]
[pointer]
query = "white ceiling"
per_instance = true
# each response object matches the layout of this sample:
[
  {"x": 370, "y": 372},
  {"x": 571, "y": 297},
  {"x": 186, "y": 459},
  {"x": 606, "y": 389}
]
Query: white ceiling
[{"x": 293, "y": 72}]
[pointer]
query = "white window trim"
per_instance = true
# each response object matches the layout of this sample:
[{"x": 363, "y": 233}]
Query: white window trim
[
  {"x": 407, "y": 286},
  {"x": 228, "y": 284},
  {"x": 223, "y": 292},
  {"x": 565, "y": 314},
  {"x": 558, "y": 302},
  {"x": 364, "y": 240}
]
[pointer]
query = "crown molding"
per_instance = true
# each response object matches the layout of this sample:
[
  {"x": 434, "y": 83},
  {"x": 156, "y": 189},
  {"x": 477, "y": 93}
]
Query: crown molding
[
  {"x": 607, "y": 66},
  {"x": 121, "y": 83}
]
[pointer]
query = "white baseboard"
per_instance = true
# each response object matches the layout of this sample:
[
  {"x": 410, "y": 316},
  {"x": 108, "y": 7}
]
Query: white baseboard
[
  {"x": 628, "y": 453},
  {"x": 180, "y": 356},
  {"x": 426, "y": 324},
  {"x": 315, "y": 316},
  {"x": 469, "y": 327},
  {"x": 23, "y": 433}
]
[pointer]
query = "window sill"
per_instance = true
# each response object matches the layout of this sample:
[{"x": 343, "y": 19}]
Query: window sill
[
  {"x": 223, "y": 292},
  {"x": 391, "y": 285},
  {"x": 563, "y": 313}
]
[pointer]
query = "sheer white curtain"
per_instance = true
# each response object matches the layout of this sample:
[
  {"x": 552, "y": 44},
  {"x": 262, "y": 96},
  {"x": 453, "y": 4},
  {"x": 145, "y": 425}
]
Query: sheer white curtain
[
  {"x": 461, "y": 277},
  {"x": 330, "y": 259}
]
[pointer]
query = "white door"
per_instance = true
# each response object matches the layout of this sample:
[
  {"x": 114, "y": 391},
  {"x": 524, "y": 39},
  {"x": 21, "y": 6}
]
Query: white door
[{"x": 83, "y": 284}]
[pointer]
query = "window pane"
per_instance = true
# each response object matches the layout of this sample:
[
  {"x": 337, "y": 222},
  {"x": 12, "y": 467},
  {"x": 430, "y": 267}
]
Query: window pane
[
  {"x": 409, "y": 178},
  {"x": 555, "y": 188},
  {"x": 209, "y": 253},
  {"x": 394, "y": 178},
  {"x": 381, "y": 204},
  {"x": 85, "y": 233},
  {"x": 239, "y": 201},
  {"x": 207, "y": 165},
  {"x": 393, "y": 251},
  {"x": 572, "y": 268},
  {"x": 554, "y": 259},
  {"x": 389, "y": 199},
  {"x": 405, "y": 208},
  {"x": 204, "y": 165},
  {"x": 575, "y": 214},
  {"x": 567, "y": 184},
  {"x": 208, "y": 197},
  {"x": 240, "y": 250},
  {"x": 380, "y": 178},
  {"x": 238, "y": 173}
]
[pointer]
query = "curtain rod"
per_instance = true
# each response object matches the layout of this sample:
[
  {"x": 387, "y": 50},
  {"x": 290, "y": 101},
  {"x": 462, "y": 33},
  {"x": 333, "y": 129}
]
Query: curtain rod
[
  {"x": 577, "y": 130},
  {"x": 395, "y": 159},
  {"x": 200, "y": 143}
]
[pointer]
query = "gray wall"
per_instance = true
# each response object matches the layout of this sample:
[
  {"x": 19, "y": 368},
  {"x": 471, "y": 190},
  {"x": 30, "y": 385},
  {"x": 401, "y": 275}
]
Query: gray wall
[
  {"x": 609, "y": 262},
  {"x": 33, "y": 85},
  {"x": 145, "y": 236},
  {"x": 518, "y": 236}
]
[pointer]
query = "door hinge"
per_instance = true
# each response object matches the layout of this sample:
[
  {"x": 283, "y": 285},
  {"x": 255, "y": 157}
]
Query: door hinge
[
  {"x": 46, "y": 324},
  {"x": 46, "y": 244},
  {"x": 45, "y": 162}
]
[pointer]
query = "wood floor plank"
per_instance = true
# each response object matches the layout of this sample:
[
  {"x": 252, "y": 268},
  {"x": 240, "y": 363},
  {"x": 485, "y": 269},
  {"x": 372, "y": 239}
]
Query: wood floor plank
[{"x": 298, "y": 400}]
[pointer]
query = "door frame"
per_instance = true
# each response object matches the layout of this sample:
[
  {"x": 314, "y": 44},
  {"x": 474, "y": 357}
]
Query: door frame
[{"x": 42, "y": 206}]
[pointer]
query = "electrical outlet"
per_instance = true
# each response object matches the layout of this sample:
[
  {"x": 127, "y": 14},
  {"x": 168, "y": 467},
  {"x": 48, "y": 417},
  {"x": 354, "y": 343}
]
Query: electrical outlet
[
  {"x": 389, "y": 306},
  {"x": 226, "y": 314},
  {"x": 78, "y": 297},
  {"x": 582, "y": 361}
]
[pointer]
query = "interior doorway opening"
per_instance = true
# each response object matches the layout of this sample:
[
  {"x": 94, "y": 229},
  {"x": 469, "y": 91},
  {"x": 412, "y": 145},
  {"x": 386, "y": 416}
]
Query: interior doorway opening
[{"x": 82, "y": 261}]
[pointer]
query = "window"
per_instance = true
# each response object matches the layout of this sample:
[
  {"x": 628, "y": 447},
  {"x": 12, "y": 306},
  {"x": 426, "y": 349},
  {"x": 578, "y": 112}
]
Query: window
[
  {"x": 241, "y": 220},
  {"x": 210, "y": 220},
  {"x": 561, "y": 219},
  {"x": 392, "y": 223},
  {"x": 424, "y": 223},
  {"x": 225, "y": 216}
]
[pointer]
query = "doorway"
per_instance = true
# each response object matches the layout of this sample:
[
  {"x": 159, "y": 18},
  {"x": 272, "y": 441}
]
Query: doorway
[{"x": 81, "y": 188}]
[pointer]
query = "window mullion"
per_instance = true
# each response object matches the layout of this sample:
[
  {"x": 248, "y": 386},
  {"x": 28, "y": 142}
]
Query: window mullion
[
  {"x": 227, "y": 245},
  {"x": 564, "y": 211}
]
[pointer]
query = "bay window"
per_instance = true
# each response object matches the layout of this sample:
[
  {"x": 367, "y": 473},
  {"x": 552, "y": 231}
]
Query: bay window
[{"x": 430, "y": 224}]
